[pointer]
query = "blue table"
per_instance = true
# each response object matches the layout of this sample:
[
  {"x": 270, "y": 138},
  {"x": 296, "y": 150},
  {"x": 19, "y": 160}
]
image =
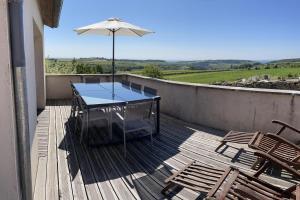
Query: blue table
[{"x": 109, "y": 94}]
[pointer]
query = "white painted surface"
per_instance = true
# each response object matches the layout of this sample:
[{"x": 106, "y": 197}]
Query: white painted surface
[{"x": 32, "y": 23}]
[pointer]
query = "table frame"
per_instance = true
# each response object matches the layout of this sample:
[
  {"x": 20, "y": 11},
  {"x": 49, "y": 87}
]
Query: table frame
[{"x": 105, "y": 105}]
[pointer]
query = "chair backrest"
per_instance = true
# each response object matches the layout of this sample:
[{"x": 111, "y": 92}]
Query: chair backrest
[
  {"x": 138, "y": 111},
  {"x": 91, "y": 79},
  {"x": 74, "y": 91},
  {"x": 124, "y": 82},
  {"x": 150, "y": 90},
  {"x": 80, "y": 102},
  {"x": 136, "y": 86},
  {"x": 276, "y": 146}
]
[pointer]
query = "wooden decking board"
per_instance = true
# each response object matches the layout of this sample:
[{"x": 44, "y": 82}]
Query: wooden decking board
[
  {"x": 136, "y": 183},
  {"x": 102, "y": 181},
  {"x": 92, "y": 190},
  {"x": 75, "y": 171},
  {"x": 77, "y": 184},
  {"x": 52, "y": 170},
  {"x": 154, "y": 164},
  {"x": 139, "y": 173},
  {"x": 81, "y": 169},
  {"x": 119, "y": 186},
  {"x": 64, "y": 179}
]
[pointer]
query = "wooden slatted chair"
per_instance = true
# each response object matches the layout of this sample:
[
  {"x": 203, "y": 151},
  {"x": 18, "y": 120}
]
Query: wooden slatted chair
[
  {"x": 230, "y": 183},
  {"x": 195, "y": 176},
  {"x": 275, "y": 146},
  {"x": 235, "y": 184},
  {"x": 245, "y": 137}
]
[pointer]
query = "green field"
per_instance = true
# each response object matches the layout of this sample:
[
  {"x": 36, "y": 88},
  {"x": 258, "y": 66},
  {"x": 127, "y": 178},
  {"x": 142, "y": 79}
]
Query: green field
[{"x": 232, "y": 75}]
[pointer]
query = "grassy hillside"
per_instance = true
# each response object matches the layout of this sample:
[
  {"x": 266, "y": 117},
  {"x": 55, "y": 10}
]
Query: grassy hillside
[{"x": 209, "y": 71}]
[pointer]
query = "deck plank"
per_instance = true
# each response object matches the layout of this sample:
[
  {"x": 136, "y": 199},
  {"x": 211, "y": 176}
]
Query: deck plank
[
  {"x": 83, "y": 167},
  {"x": 52, "y": 171},
  {"x": 64, "y": 179}
]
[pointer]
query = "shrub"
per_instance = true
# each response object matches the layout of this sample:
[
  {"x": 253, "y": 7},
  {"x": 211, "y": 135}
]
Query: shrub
[
  {"x": 290, "y": 75},
  {"x": 152, "y": 71}
]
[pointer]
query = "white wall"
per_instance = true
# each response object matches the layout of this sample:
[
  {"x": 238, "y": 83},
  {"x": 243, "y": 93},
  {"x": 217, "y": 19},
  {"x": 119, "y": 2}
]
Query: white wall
[
  {"x": 32, "y": 22},
  {"x": 9, "y": 185}
]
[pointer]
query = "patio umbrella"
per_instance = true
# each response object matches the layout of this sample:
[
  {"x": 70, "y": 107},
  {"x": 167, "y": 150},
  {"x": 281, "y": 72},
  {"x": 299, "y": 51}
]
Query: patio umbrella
[{"x": 113, "y": 27}]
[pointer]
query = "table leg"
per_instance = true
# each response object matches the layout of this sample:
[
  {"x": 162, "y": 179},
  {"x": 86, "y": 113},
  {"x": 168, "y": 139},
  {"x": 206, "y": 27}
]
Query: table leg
[
  {"x": 157, "y": 116},
  {"x": 87, "y": 127},
  {"x": 110, "y": 122}
]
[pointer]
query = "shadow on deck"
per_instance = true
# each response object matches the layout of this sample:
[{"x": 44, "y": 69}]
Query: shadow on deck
[{"x": 74, "y": 170}]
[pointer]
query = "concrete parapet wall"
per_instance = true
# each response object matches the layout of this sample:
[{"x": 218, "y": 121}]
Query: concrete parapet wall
[{"x": 220, "y": 107}]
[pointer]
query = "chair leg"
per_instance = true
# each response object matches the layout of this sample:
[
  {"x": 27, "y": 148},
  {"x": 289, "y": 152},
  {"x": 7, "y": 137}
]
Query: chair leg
[
  {"x": 76, "y": 124},
  {"x": 167, "y": 187},
  {"x": 82, "y": 131},
  {"x": 259, "y": 161},
  {"x": 265, "y": 166},
  {"x": 124, "y": 144},
  {"x": 222, "y": 144},
  {"x": 151, "y": 137}
]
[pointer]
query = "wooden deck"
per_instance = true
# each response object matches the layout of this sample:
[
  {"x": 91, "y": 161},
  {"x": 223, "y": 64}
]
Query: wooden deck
[{"x": 69, "y": 170}]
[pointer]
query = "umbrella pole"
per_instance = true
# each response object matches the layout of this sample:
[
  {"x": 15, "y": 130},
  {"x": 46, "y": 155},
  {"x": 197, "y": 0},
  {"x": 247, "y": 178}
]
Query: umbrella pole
[{"x": 113, "y": 58}]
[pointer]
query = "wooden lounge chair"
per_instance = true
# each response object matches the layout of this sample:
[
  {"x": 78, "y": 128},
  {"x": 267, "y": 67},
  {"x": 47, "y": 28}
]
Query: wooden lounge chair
[
  {"x": 275, "y": 146},
  {"x": 227, "y": 184},
  {"x": 245, "y": 137},
  {"x": 278, "y": 147},
  {"x": 235, "y": 184}
]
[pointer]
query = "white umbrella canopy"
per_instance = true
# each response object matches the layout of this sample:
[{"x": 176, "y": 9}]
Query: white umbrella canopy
[{"x": 113, "y": 27}]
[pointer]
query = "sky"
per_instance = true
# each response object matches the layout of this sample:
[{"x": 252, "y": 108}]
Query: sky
[{"x": 184, "y": 29}]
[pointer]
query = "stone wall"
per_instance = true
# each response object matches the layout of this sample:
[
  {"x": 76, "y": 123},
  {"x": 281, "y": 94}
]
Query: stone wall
[{"x": 281, "y": 85}]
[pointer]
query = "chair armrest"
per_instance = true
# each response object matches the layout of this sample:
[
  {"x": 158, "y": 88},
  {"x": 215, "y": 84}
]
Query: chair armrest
[
  {"x": 275, "y": 161},
  {"x": 285, "y": 125}
]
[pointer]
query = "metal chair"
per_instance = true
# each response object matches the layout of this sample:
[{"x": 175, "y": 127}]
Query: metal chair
[
  {"x": 74, "y": 103},
  {"x": 124, "y": 82},
  {"x": 150, "y": 90},
  {"x": 135, "y": 117},
  {"x": 91, "y": 79},
  {"x": 136, "y": 86},
  {"x": 84, "y": 117}
]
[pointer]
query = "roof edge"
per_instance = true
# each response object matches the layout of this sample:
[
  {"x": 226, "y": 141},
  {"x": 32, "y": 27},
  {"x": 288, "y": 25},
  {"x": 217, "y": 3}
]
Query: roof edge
[{"x": 50, "y": 12}]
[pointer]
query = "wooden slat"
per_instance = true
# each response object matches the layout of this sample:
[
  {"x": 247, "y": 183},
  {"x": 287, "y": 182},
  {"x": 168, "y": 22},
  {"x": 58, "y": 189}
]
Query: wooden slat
[
  {"x": 78, "y": 188},
  {"x": 64, "y": 180},
  {"x": 153, "y": 166},
  {"x": 84, "y": 175},
  {"x": 52, "y": 170},
  {"x": 219, "y": 183}
]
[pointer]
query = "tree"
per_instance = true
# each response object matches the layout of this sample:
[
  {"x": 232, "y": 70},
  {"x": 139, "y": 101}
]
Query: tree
[
  {"x": 74, "y": 61},
  {"x": 99, "y": 69},
  {"x": 152, "y": 71}
]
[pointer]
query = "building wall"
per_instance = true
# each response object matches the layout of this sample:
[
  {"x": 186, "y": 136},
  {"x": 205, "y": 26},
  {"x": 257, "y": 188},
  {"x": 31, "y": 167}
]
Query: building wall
[
  {"x": 220, "y": 107},
  {"x": 9, "y": 183},
  {"x": 33, "y": 38}
]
